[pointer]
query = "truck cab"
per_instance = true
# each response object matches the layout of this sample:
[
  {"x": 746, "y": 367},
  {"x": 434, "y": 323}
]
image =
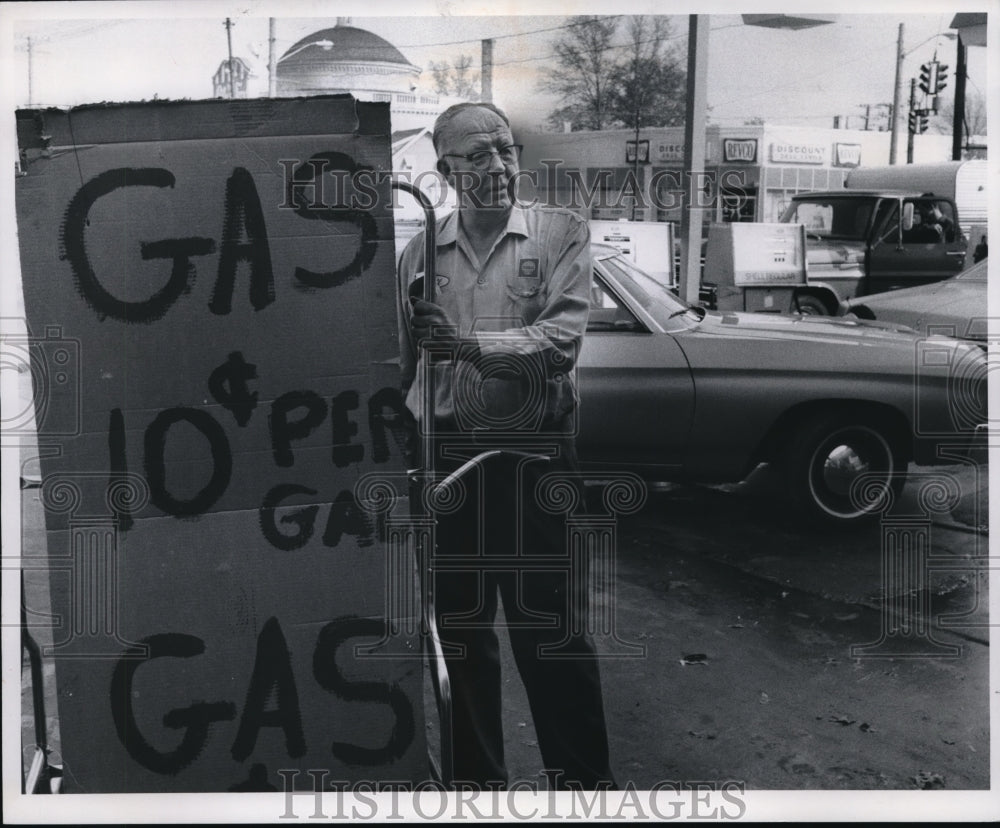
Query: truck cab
[{"x": 860, "y": 242}]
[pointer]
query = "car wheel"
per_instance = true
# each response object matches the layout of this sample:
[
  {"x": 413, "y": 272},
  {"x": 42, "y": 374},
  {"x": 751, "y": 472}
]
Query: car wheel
[
  {"x": 811, "y": 306},
  {"x": 825, "y": 458}
]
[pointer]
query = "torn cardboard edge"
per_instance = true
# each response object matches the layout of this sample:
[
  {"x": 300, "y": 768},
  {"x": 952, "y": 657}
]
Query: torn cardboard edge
[{"x": 145, "y": 121}]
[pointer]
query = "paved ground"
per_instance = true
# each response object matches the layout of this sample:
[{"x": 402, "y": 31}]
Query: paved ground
[{"x": 777, "y": 701}]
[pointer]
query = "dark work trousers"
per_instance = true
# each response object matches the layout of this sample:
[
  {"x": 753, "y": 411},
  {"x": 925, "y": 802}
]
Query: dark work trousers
[{"x": 500, "y": 516}]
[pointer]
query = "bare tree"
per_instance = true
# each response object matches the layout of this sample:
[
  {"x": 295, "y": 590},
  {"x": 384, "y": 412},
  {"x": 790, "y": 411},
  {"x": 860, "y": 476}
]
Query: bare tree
[
  {"x": 456, "y": 79},
  {"x": 647, "y": 84},
  {"x": 580, "y": 76},
  {"x": 975, "y": 115}
]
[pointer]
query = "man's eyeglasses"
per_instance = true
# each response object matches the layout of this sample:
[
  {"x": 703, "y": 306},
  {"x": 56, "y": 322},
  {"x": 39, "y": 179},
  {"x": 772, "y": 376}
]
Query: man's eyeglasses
[{"x": 481, "y": 160}]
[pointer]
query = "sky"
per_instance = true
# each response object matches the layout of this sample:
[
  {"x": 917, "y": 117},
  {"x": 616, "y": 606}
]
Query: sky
[{"x": 87, "y": 52}]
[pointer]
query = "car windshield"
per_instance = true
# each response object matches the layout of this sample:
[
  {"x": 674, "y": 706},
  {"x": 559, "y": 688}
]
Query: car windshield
[
  {"x": 832, "y": 218},
  {"x": 653, "y": 296}
]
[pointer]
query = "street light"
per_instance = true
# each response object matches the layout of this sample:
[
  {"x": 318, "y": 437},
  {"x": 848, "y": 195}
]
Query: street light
[
  {"x": 898, "y": 88},
  {"x": 272, "y": 75},
  {"x": 326, "y": 44}
]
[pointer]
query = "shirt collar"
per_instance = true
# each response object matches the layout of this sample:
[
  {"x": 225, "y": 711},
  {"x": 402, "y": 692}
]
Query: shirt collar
[{"x": 447, "y": 231}]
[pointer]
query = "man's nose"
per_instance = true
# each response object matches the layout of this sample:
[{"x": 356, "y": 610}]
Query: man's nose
[{"x": 496, "y": 163}]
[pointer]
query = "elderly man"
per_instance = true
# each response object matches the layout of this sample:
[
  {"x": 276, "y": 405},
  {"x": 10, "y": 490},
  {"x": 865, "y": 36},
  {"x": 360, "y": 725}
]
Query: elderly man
[{"x": 512, "y": 288}]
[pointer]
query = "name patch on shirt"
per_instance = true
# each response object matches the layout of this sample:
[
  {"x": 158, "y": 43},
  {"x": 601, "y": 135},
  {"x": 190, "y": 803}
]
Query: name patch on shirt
[{"x": 528, "y": 269}]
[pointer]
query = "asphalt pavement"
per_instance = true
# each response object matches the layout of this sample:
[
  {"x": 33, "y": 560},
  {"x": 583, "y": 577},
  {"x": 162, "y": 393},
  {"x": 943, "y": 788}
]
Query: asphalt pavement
[
  {"x": 785, "y": 657},
  {"x": 734, "y": 652}
]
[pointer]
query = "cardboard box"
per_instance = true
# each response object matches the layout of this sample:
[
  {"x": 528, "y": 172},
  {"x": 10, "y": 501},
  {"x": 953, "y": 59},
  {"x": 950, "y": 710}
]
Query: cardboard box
[{"x": 210, "y": 297}]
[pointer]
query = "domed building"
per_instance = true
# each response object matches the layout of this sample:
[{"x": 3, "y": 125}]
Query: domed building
[{"x": 352, "y": 60}]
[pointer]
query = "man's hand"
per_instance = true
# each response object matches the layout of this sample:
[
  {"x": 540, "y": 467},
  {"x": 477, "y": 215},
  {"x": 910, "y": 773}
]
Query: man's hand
[{"x": 429, "y": 319}]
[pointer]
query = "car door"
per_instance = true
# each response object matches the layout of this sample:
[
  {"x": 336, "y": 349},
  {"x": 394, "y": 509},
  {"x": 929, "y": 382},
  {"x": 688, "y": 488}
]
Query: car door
[
  {"x": 925, "y": 255},
  {"x": 636, "y": 389}
]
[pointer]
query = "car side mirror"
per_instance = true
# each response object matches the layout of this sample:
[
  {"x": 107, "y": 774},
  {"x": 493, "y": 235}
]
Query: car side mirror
[{"x": 908, "y": 217}]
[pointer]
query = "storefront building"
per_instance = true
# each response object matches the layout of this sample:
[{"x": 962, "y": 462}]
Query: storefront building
[{"x": 750, "y": 172}]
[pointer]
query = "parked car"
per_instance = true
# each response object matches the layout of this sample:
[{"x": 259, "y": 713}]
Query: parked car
[
  {"x": 681, "y": 393},
  {"x": 956, "y": 306}
]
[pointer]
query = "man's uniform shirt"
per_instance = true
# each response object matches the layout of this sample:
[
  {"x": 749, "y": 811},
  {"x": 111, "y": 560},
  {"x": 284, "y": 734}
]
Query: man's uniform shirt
[{"x": 530, "y": 297}]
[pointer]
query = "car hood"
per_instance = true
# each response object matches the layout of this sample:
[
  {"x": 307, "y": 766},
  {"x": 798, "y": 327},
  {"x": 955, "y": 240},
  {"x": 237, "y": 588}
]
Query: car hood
[
  {"x": 804, "y": 328},
  {"x": 956, "y": 303},
  {"x": 939, "y": 296},
  {"x": 812, "y": 345}
]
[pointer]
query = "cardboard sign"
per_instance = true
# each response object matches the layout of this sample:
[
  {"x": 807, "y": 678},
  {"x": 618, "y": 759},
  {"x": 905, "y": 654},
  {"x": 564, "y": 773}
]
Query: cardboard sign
[{"x": 212, "y": 283}]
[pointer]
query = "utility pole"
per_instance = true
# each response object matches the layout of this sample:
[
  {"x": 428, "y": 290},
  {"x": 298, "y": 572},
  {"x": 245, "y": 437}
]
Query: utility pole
[
  {"x": 272, "y": 67},
  {"x": 694, "y": 157},
  {"x": 913, "y": 103},
  {"x": 229, "y": 40},
  {"x": 486, "y": 76},
  {"x": 958, "y": 121},
  {"x": 897, "y": 93},
  {"x": 635, "y": 165}
]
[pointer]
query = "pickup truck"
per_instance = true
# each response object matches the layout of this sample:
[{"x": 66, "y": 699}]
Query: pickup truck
[{"x": 869, "y": 241}]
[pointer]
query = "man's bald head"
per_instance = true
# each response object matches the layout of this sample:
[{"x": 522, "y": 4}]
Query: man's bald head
[{"x": 443, "y": 124}]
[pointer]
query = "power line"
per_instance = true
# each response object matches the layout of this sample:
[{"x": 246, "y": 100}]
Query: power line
[{"x": 52, "y": 30}]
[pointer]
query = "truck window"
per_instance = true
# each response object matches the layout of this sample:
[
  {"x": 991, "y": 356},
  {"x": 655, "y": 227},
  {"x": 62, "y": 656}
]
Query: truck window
[
  {"x": 933, "y": 223},
  {"x": 835, "y": 218},
  {"x": 887, "y": 219}
]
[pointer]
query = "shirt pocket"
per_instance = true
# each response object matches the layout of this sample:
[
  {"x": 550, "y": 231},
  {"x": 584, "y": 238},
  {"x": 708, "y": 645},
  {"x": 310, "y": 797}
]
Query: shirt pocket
[
  {"x": 525, "y": 299},
  {"x": 520, "y": 287}
]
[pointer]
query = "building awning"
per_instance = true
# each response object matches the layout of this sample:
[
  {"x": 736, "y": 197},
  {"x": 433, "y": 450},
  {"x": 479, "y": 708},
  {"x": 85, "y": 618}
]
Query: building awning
[{"x": 971, "y": 28}]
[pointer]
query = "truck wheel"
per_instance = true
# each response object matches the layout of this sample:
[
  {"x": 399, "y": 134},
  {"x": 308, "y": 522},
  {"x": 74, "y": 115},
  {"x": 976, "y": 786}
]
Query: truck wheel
[
  {"x": 811, "y": 305},
  {"x": 825, "y": 457}
]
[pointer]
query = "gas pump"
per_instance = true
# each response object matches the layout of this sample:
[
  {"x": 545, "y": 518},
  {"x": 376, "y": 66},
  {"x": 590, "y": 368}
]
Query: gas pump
[{"x": 754, "y": 267}]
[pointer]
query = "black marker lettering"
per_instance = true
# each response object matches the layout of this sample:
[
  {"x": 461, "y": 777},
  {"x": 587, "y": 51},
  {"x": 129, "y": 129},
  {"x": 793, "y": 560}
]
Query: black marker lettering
[
  {"x": 272, "y": 670},
  {"x": 156, "y": 472},
  {"x": 387, "y": 412},
  {"x": 118, "y": 465},
  {"x": 284, "y": 431},
  {"x": 347, "y": 517},
  {"x": 344, "y": 429},
  {"x": 195, "y": 719},
  {"x": 75, "y": 249},
  {"x": 243, "y": 213},
  {"x": 228, "y": 384},
  {"x": 304, "y": 518},
  {"x": 329, "y": 676},
  {"x": 306, "y": 180}
]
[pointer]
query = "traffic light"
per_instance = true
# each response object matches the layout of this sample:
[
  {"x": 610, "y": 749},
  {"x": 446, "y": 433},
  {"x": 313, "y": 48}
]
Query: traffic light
[
  {"x": 918, "y": 121},
  {"x": 928, "y": 78},
  {"x": 941, "y": 80},
  {"x": 933, "y": 77}
]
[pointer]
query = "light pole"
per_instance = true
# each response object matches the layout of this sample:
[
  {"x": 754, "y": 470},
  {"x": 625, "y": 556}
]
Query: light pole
[
  {"x": 958, "y": 116},
  {"x": 272, "y": 67},
  {"x": 897, "y": 89},
  {"x": 694, "y": 132}
]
